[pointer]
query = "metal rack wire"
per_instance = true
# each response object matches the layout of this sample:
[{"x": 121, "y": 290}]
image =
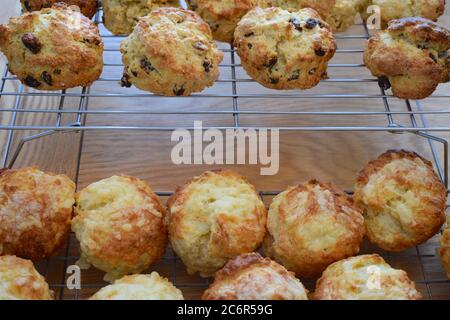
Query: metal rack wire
[{"x": 235, "y": 97}]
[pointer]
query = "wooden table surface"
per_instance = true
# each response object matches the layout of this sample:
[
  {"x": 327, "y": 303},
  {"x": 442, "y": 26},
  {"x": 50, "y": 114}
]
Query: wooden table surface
[{"x": 329, "y": 156}]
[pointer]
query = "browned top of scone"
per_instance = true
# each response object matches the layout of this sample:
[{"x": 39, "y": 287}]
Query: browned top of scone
[
  {"x": 87, "y": 7},
  {"x": 224, "y": 9},
  {"x": 421, "y": 29},
  {"x": 242, "y": 262},
  {"x": 385, "y": 158},
  {"x": 53, "y": 49},
  {"x": 250, "y": 276},
  {"x": 35, "y": 212},
  {"x": 214, "y": 217}
]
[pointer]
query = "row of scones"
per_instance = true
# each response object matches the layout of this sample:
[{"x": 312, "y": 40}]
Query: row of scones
[
  {"x": 215, "y": 221},
  {"x": 222, "y": 16},
  {"x": 171, "y": 51}
]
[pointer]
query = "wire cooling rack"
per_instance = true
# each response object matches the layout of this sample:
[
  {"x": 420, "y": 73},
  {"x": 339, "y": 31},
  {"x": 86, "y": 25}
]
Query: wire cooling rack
[{"x": 244, "y": 104}]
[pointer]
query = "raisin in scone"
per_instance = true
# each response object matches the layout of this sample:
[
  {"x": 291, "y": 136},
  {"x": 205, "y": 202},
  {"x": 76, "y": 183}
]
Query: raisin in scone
[
  {"x": 223, "y": 15},
  {"x": 411, "y": 55},
  {"x": 171, "y": 52},
  {"x": 395, "y": 9},
  {"x": 285, "y": 50},
  {"x": 53, "y": 49},
  {"x": 87, "y": 7},
  {"x": 120, "y": 16}
]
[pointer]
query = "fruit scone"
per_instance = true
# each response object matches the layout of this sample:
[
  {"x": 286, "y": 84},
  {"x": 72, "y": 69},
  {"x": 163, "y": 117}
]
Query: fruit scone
[
  {"x": 170, "y": 52},
  {"x": 285, "y": 50},
  {"x": 411, "y": 56},
  {"x": 53, "y": 49}
]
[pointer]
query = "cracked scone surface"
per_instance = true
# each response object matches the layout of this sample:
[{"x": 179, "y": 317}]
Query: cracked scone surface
[
  {"x": 395, "y": 9},
  {"x": 53, "y": 49},
  {"x": 285, "y": 50},
  {"x": 365, "y": 277},
  {"x": 140, "y": 287},
  {"x": 87, "y": 7},
  {"x": 402, "y": 199},
  {"x": 323, "y": 7},
  {"x": 19, "y": 280},
  {"x": 411, "y": 55},
  {"x": 120, "y": 16},
  {"x": 213, "y": 218},
  {"x": 444, "y": 250},
  {"x": 223, "y": 15},
  {"x": 171, "y": 52},
  {"x": 35, "y": 212},
  {"x": 312, "y": 225},
  {"x": 119, "y": 223},
  {"x": 252, "y": 277}
]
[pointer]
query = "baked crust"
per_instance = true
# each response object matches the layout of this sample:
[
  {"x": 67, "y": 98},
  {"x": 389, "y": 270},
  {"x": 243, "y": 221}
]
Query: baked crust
[
  {"x": 343, "y": 14},
  {"x": 444, "y": 250},
  {"x": 139, "y": 287},
  {"x": 402, "y": 198},
  {"x": 411, "y": 56},
  {"x": 285, "y": 50},
  {"x": 213, "y": 218},
  {"x": 53, "y": 49},
  {"x": 120, "y": 16},
  {"x": 311, "y": 226},
  {"x": 20, "y": 280},
  {"x": 223, "y": 15},
  {"x": 87, "y": 7},
  {"x": 252, "y": 277},
  {"x": 35, "y": 212},
  {"x": 365, "y": 277},
  {"x": 323, "y": 7},
  {"x": 396, "y": 9},
  {"x": 171, "y": 52},
  {"x": 119, "y": 222}
]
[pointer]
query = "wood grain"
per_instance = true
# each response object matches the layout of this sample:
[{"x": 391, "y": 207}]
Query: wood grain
[{"x": 330, "y": 156}]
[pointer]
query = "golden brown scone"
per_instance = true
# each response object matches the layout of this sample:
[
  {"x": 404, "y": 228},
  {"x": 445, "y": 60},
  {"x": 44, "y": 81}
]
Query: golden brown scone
[
  {"x": 444, "y": 250},
  {"x": 120, "y": 16},
  {"x": 87, "y": 7},
  {"x": 402, "y": 198},
  {"x": 119, "y": 223},
  {"x": 53, "y": 49},
  {"x": 396, "y": 9},
  {"x": 213, "y": 218},
  {"x": 252, "y": 277},
  {"x": 223, "y": 15},
  {"x": 171, "y": 52},
  {"x": 139, "y": 287},
  {"x": 365, "y": 277},
  {"x": 411, "y": 56},
  {"x": 35, "y": 212},
  {"x": 284, "y": 50},
  {"x": 311, "y": 226},
  {"x": 19, "y": 280},
  {"x": 323, "y": 7},
  {"x": 343, "y": 14}
]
